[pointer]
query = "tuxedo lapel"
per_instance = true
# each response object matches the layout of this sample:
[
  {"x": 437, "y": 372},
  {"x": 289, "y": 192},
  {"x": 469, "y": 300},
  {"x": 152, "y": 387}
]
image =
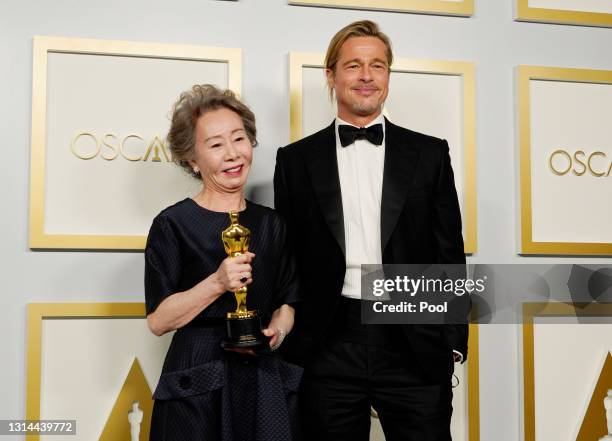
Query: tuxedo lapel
[
  {"x": 400, "y": 165},
  {"x": 323, "y": 169}
]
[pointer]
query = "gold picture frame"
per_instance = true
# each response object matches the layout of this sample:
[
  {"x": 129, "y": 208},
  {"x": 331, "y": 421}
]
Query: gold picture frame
[
  {"x": 462, "y": 8},
  {"x": 561, "y": 16},
  {"x": 525, "y": 74},
  {"x": 299, "y": 60},
  {"x": 37, "y": 313},
  {"x": 38, "y": 237},
  {"x": 531, "y": 311}
]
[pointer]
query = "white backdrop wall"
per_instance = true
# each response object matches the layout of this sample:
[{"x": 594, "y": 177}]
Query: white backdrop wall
[{"x": 267, "y": 30}]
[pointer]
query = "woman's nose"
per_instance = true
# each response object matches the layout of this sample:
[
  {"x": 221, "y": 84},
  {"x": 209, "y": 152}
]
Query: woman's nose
[{"x": 230, "y": 151}]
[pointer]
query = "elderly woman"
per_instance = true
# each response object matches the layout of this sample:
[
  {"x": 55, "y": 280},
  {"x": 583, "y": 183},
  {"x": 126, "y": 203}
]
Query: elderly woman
[{"x": 206, "y": 392}]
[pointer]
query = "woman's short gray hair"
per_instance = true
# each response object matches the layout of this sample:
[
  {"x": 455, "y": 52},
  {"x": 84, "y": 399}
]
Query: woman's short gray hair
[{"x": 191, "y": 105}]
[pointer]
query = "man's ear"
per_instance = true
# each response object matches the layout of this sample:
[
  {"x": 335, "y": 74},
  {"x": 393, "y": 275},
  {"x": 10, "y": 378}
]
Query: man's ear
[{"x": 329, "y": 74}]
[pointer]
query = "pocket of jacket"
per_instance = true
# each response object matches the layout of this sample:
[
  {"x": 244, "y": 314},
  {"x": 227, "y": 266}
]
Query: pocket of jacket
[{"x": 190, "y": 382}]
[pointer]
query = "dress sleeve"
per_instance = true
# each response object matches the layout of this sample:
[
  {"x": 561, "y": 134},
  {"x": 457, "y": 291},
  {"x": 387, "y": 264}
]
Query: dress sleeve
[
  {"x": 287, "y": 284},
  {"x": 162, "y": 263}
]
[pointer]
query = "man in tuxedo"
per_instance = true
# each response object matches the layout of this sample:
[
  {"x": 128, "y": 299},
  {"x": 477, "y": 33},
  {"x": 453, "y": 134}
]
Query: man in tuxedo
[{"x": 364, "y": 190}]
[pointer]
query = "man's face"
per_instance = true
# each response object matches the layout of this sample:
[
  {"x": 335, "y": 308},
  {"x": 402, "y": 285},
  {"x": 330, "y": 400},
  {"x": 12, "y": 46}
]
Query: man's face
[{"x": 361, "y": 79}]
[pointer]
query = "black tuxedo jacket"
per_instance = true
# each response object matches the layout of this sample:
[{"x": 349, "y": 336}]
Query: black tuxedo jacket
[{"x": 420, "y": 224}]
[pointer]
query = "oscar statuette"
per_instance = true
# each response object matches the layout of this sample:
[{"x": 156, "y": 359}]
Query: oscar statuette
[{"x": 243, "y": 326}]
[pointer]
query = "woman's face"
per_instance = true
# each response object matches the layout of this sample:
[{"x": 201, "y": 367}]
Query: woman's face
[{"x": 223, "y": 151}]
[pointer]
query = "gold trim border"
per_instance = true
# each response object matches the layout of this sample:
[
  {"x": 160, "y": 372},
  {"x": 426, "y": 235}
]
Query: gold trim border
[
  {"x": 530, "y": 311},
  {"x": 473, "y": 383},
  {"x": 467, "y": 70},
  {"x": 463, "y": 8},
  {"x": 525, "y": 74},
  {"x": 37, "y": 312},
  {"x": 561, "y": 16},
  {"x": 41, "y": 47}
]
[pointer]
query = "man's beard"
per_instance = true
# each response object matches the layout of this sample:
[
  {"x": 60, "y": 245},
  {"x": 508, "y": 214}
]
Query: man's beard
[{"x": 365, "y": 109}]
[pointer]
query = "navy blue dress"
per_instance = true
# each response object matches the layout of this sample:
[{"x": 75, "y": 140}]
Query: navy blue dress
[{"x": 206, "y": 393}]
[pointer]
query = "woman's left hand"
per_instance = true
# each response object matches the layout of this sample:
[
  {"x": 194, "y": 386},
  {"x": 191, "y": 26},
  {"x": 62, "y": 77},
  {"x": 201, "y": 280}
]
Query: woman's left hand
[{"x": 280, "y": 325}]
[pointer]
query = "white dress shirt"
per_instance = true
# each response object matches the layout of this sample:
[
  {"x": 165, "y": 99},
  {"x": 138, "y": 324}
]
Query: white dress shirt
[{"x": 360, "y": 168}]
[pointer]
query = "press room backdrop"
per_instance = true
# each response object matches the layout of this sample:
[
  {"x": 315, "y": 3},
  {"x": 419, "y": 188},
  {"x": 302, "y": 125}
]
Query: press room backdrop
[{"x": 267, "y": 31}]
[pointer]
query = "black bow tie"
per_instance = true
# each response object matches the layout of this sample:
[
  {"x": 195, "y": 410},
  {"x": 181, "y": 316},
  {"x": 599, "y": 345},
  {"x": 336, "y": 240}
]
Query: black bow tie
[{"x": 348, "y": 134}]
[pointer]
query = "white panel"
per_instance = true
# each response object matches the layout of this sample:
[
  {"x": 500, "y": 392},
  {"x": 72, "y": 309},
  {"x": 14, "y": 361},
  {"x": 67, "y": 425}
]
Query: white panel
[
  {"x": 568, "y": 358},
  {"x": 84, "y": 364},
  {"x": 118, "y": 95},
  {"x": 431, "y": 104},
  {"x": 604, "y": 6},
  {"x": 460, "y": 420},
  {"x": 318, "y": 110},
  {"x": 570, "y": 116},
  {"x": 376, "y": 432}
]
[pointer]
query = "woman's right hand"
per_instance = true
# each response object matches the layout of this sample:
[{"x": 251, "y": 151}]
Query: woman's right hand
[
  {"x": 180, "y": 308},
  {"x": 235, "y": 272}
]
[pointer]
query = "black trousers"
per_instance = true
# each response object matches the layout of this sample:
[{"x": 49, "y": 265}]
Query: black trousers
[{"x": 368, "y": 365}]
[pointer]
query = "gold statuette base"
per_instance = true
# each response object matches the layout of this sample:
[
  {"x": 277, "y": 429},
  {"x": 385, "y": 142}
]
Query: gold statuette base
[{"x": 244, "y": 331}]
